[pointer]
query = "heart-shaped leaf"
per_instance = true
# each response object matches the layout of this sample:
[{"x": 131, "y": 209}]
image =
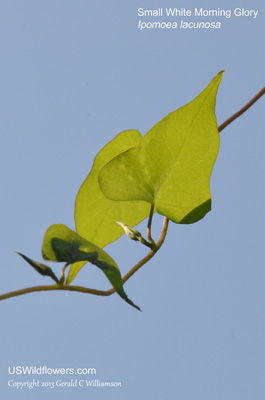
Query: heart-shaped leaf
[
  {"x": 171, "y": 167},
  {"x": 60, "y": 243}
]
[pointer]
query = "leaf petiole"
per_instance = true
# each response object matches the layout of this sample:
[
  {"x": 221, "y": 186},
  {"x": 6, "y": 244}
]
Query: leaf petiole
[{"x": 62, "y": 280}]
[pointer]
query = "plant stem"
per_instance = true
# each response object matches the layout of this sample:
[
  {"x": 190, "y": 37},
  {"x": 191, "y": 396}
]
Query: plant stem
[
  {"x": 62, "y": 280},
  {"x": 53, "y": 287},
  {"x": 82, "y": 289},
  {"x": 149, "y": 235},
  {"x": 151, "y": 253},
  {"x": 242, "y": 110}
]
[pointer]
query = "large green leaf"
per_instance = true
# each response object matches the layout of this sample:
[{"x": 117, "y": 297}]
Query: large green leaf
[
  {"x": 171, "y": 167},
  {"x": 60, "y": 243},
  {"x": 95, "y": 215}
]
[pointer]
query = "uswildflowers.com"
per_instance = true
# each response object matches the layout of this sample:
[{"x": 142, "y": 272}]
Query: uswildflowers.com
[{"x": 43, "y": 370}]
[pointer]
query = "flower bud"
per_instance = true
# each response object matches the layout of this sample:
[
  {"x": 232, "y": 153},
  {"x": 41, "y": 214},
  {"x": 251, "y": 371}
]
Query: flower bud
[
  {"x": 130, "y": 232},
  {"x": 134, "y": 234}
]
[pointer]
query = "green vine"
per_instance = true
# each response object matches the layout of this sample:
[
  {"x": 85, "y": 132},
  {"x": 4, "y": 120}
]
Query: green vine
[{"x": 176, "y": 156}]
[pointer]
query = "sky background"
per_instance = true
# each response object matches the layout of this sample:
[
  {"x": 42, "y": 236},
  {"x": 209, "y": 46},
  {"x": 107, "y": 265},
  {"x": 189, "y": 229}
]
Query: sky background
[{"x": 73, "y": 75}]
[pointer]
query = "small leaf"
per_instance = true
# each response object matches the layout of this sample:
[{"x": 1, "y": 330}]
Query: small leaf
[
  {"x": 60, "y": 243},
  {"x": 171, "y": 168},
  {"x": 40, "y": 268}
]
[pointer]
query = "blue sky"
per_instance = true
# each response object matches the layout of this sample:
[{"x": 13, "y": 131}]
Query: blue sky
[{"x": 73, "y": 75}]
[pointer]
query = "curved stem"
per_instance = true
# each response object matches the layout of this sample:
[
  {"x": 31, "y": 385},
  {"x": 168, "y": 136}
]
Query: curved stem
[
  {"x": 143, "y": 261},
  {"x": 62, "y": 280},
  {"x": 242, "y": 110},
  {"x": 151, "y": 253},
  {"x": 82, "y": 289},
  {"x": 163, "y": 232},
  {"x": 53, "y": 287}
]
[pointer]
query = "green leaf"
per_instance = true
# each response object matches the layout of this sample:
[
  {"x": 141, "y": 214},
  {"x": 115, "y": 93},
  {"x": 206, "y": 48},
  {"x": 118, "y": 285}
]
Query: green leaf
[
  {"x": 40, "y": 268},
  {"x": 60, "y": 243},
  {"x": 171, "y": 167},
  {"x": 95, "y": 215}
]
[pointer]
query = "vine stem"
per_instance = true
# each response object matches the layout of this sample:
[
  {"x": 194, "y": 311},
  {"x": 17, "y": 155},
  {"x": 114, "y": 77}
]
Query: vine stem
[
  {"x": 149, "y": 235},
  {"x": 152, "y": 252},
  {"x": 242, "y": 110},
  {"x": 70, "y": 288},
  {"x": 96, "y": 292},
  {"x": 62, "y": 280}
]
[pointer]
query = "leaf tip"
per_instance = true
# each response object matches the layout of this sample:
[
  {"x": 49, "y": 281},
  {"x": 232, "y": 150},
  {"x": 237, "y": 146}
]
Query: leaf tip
[{"x": 131, "y": 303}]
